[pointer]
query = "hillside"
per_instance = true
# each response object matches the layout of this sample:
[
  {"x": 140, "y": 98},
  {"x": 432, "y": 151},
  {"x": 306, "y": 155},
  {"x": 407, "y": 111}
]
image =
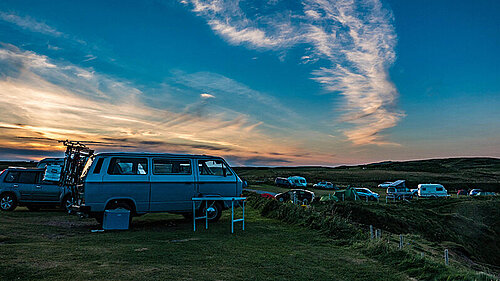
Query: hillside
[{"x": 454, "y": 173}]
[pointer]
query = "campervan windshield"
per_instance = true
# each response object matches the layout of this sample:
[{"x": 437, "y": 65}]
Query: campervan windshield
[{"x": 87, "y": 166}]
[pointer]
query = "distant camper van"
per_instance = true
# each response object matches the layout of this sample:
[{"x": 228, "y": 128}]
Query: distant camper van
[
  {"x": 147, "y": 183},
  {"x": 297, "y": 181},
  {"x": 432, "y": 190}
]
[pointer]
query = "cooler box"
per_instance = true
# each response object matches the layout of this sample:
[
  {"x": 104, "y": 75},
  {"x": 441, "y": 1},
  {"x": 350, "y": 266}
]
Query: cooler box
[{"x": 116, "y": 219}]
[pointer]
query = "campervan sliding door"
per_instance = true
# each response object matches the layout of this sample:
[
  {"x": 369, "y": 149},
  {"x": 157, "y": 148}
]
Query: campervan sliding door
[
  {"x": 172, "y": 185},
  {"x": 126, "y": 177}
]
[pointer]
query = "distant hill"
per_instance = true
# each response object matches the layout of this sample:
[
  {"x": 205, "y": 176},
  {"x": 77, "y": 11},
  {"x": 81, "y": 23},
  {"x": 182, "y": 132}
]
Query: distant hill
[{"x": 454, "y": 173}]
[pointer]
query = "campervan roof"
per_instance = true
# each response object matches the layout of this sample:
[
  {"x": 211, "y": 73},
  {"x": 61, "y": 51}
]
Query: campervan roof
[{"x": 150, "y": 154}]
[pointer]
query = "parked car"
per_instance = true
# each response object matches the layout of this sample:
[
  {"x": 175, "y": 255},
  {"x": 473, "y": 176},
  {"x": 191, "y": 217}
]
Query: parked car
[
  {"x": 462, "y": 192},
  {"x": 486, "y": 193},
  {"x": 474, "y": 192},
  {"x": 282, "y": 182},
  {"x": 432, "y": 190},
  {"x": 364, "y": 193},
  {"x": 297, "y": 181},
  {"x": 324, "y": 185},
  {"x": 50, "y": 162},
  {"x": 398, "y": 190},
  {"x": 399, "y": 193},
  {"x": 303, "y": 196},
  {"x": 385, "y": 184},
  {"x": 267, "y": 195},
  {"x": 150, "y": 183},
  {"x": 26, "y": 187}
]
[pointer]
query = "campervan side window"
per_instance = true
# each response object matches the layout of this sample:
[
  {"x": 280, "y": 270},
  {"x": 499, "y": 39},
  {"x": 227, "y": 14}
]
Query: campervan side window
[
  {"x": 213, "y": 167},
  {"x": 439, "y": 189},
  {"x": 128, "y": 166},
  {"x": 169, "y": 166}
]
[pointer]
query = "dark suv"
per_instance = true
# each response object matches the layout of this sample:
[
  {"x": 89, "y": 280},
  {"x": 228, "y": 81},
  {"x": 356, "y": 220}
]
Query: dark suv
[{"x": 26, "y": 187}]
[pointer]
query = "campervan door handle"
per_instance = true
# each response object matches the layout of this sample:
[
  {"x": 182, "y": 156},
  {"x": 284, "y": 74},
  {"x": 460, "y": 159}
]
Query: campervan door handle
[
  {"x": 15, "y": 185},
  {"x": 38, "y": 186}
]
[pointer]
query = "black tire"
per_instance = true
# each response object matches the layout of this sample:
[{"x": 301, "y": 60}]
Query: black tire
[
  {"x": 33, "y": 208},
  {"x": 8, "y": 202},
  {"x": 67, "y": 202},
  {"x": 214, "y": 210},
  {"x": 305, "y": 201}
]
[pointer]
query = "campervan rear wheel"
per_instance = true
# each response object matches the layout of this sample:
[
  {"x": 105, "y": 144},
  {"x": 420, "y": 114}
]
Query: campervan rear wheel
[{"x": 115, "y": 205}]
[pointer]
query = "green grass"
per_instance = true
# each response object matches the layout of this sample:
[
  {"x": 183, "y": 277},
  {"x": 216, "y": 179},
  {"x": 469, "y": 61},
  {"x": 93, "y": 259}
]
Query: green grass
[
  {"x": 426, "y": 233},
  {"x": 55, "y": 246}
]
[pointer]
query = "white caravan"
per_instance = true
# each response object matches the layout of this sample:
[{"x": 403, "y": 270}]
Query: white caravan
[{"x": 432, "y": 190}]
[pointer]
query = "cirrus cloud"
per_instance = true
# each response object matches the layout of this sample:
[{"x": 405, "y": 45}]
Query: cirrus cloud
[{"x": 356, "y": 39}]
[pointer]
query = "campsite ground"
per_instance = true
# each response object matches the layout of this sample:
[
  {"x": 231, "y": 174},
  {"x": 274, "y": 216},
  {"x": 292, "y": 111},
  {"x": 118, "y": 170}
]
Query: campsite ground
[{"x": 51, "y": 245}]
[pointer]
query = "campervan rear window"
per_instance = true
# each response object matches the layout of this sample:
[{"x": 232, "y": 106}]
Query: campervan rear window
[
  {"x": 170, "y": 166},
  {"x": 128, "y": 166}
]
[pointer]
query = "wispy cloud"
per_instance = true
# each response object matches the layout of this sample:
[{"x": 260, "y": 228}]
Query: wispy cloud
[
  {"x": 356, "y": 38},
  {"x": 30, "y": 24},
  {"x": 207, "y": 96},
  {"x": 55, "y": 100}
]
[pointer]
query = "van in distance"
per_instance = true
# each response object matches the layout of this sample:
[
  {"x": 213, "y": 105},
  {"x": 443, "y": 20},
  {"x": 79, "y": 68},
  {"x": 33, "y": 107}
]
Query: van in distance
[
  {"x": 148, "y": 183},
  {"x": 432, "y": 190}
]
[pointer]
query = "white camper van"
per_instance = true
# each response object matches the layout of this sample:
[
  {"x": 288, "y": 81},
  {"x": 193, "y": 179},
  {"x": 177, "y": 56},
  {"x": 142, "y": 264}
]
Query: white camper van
[
  {"x": 297, "y": 181},
  {"x": 432, "y": 190}
]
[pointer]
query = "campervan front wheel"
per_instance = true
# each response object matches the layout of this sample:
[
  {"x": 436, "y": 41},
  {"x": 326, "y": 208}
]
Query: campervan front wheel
[{"x": 214, "y": 210}]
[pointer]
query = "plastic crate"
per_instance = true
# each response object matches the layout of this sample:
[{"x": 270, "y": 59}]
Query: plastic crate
[{"x": 116, "y": 219}]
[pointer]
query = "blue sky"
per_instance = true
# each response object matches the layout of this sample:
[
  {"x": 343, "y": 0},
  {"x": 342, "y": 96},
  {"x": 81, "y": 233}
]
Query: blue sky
[{"x": 260, "y": 82}]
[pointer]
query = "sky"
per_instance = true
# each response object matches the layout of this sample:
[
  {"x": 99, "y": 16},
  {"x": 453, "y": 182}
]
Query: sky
[{"x": 261, "y": 83}]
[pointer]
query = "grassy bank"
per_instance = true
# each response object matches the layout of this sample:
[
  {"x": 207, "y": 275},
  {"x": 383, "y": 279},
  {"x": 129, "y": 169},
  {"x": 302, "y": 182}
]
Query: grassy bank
[{"x": 427, "y": 233}]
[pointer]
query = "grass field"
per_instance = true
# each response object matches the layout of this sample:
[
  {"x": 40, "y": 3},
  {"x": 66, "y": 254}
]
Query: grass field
[
  {"x": 454, "y": 173},
  {"x": 55, "y": 246}
]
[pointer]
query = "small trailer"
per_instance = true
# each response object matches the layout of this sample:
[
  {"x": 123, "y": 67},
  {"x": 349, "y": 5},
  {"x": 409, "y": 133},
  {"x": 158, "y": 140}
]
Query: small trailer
[{"x": 432, "y": 190}]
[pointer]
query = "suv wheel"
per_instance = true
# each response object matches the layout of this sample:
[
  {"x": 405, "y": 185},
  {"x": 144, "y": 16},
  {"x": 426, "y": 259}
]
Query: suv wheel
[
  {"x": 8, "y": 202},
  {"x": 67, "y": 202}
]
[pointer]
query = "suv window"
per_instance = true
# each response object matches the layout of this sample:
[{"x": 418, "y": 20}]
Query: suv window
[
  {"x": 213, "y": 167},
  {"x": 128, "y": 166},
  {"x": 28, "y": 177},
  {"x": 170, "y": 166},
  {"x": 12, "y": 176}
]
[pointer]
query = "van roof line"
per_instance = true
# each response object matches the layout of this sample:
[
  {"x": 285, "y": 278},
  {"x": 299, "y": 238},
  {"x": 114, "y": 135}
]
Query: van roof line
[{"x": 155, "y": 154}]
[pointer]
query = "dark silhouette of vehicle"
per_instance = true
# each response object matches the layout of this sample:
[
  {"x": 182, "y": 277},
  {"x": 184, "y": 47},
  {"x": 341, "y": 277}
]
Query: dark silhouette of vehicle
[
  {"x": 282, "y": 182},
  {"x": 301, "y": 195}
]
